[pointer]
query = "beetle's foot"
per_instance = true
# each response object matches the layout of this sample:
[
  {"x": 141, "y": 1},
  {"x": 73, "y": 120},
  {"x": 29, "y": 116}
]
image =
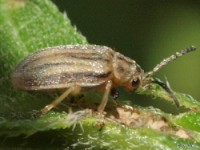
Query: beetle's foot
[{"x": 46, "y": 109}]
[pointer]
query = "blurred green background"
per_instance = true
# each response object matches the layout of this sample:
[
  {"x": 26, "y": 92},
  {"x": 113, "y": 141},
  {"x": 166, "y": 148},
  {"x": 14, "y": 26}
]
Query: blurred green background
[{"x": 146, "y": 31}]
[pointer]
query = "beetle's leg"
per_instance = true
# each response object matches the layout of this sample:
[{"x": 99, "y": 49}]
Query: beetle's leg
[
  {"x": 105, "y": 96},
  {"x": 167, "y": 88},
  {"x": 72, "y": 90}
]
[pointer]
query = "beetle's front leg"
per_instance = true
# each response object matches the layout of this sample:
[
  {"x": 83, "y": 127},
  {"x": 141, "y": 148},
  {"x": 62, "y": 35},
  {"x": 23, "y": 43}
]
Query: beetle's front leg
[
  {"x": 74, "y": 90},
  {"x": 167, "y": 88},
  {"x": 105, "y": 96}
]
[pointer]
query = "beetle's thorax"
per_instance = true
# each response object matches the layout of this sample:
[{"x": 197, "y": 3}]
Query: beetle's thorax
[{"x": 125, "y": 71}]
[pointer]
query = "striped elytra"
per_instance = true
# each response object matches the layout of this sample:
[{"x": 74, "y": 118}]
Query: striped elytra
[
  {"x": 88, "y": 66},
  {"x": 76, "y": 68}
]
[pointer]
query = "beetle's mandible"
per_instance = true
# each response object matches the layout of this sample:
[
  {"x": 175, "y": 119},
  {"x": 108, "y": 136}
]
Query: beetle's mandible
[{"x": 76, "y": 68}]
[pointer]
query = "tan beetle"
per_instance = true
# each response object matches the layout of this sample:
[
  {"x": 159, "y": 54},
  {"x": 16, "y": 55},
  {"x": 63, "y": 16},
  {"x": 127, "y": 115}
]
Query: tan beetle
[{"x": 76, "y": 68}]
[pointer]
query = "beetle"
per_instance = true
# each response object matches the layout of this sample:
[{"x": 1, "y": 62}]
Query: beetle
[{"x": 76, "y": 68}]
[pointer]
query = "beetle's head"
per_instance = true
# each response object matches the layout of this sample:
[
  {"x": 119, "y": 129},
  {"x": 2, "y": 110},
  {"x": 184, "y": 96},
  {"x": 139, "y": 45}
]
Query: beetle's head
[
  {"x": 127, "y": 72},
  {"x": 136, "y": 79}
]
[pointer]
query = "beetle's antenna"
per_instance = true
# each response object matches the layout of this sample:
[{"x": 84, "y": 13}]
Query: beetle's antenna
[{"x": 169, "y": 59}]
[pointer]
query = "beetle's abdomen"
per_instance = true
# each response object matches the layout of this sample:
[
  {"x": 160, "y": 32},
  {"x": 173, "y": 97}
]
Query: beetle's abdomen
[{"x": 64, "y": 66}]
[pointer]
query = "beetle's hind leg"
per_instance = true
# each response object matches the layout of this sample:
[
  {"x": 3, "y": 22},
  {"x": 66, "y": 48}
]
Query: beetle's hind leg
[
  {"x": 74, "y": 90},
  {"x": 105, "y": 96}
]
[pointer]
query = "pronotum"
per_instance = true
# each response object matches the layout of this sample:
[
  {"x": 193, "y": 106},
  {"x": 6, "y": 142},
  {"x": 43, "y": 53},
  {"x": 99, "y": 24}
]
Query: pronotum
[{"x": 76, "y": 68}]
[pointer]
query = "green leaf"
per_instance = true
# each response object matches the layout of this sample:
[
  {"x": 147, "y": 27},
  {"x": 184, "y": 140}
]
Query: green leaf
[
  {"x": 185, "y": 100},
  {"x": 189, "y": 120},
  {"x": 95, "y": 133},
  {"x": 25, "y": 27}
]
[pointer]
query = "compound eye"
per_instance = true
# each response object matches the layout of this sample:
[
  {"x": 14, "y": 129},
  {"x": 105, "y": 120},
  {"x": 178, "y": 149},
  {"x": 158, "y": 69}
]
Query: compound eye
[{"x": 135, "y": 82}]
